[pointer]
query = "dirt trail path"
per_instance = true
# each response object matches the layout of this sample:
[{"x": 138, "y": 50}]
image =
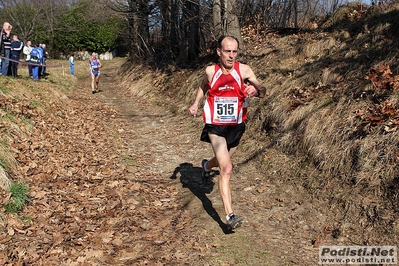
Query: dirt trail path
[{"x": 172, "y": 218}]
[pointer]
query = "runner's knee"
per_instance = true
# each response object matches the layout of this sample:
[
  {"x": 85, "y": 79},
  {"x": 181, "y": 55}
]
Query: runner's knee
[{"x": 226, "y": 169}]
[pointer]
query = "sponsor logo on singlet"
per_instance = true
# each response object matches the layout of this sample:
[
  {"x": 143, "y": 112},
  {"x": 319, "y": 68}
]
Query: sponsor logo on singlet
[{"x": 226, "y": 87}]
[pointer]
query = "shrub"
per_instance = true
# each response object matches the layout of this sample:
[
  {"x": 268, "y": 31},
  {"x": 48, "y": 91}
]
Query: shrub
[{"x": 19, "y": 196}]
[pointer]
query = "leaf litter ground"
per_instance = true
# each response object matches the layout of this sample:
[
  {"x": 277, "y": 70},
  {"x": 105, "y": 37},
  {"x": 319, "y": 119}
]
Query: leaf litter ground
[{"x": 116, "y": 180}]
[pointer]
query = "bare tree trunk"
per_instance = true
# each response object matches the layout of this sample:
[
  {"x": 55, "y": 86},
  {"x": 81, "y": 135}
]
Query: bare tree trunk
[
  {"x": 175, "y": 28},
  {"x": 225, "y": 19},
  {"x": 133, "y": 18},
  {"x": 217, "y": 17},
  {"x": 296, "y": 14},
  {"x": 192, "y": 29},
  {"x": 136, "y": 13},
  {"x": 144, "y": 33},
  {"x": 166, "y": 30},
  {"x": 233, "y": 25}
]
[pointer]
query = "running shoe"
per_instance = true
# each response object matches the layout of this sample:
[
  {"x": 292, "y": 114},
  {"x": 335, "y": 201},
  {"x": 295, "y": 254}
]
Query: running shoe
[{"x": 234, "y": 221}]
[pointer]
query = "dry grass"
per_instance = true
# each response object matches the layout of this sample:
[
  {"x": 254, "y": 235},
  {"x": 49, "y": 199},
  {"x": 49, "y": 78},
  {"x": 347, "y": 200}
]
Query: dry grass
[
  {"x": 4, "y": 180},
  {"x": 357, "y": 163},
  {"x": 317, "y": 128}
]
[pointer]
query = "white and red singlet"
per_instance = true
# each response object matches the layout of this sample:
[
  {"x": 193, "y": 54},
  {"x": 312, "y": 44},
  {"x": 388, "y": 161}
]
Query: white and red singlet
[{"x": 226, "y": 103}]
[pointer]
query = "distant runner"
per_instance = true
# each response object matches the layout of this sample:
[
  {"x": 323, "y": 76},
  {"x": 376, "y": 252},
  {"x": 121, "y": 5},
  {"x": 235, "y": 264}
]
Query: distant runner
[{"x": 95, "y": 66}]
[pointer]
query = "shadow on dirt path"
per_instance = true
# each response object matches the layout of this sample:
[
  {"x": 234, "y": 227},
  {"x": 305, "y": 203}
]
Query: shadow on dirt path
[{"x": 200, "y": 187}]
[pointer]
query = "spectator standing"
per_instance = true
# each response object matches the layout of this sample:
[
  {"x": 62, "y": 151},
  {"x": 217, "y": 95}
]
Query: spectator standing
[
  {"x": 36, "y": 57},
  {"x": 44, "y": 60},
  {"x": 5, "y": 47},
  {"x": 72, "y": 65},
  {"x": 16, "y": 48},
  {"x": 27, "y": 50},
  {"x": 39, "y": 46}
]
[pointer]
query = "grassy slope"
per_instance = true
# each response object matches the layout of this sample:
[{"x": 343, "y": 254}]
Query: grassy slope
[{"x": 319, "y": 108}]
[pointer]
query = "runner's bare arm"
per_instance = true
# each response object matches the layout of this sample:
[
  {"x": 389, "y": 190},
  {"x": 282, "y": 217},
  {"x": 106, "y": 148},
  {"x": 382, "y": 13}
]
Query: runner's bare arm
[
  {"x": 202, "y": 90},
  {"x": 255, "y": 89}
]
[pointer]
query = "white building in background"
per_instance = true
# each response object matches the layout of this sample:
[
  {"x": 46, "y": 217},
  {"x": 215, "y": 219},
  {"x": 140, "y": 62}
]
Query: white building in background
[
  {"x": 85, "y": 55},
  {"x": 107, "y": 55}
]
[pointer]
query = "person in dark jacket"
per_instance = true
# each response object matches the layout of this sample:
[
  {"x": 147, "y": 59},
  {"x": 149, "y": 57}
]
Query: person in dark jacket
[
  {"x": 44, "y": 61},
  {"x": 16, "y": 48}
]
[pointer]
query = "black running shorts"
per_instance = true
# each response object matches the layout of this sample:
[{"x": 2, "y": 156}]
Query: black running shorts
[{"x": 232, "y": 134}]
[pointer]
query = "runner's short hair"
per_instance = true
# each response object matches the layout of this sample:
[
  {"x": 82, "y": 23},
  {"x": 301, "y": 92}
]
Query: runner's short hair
[{"x": 221, "y": 38}]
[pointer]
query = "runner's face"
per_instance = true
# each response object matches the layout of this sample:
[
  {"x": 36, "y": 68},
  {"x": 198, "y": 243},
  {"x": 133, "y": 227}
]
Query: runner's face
[{"x": 228, "y": 52}]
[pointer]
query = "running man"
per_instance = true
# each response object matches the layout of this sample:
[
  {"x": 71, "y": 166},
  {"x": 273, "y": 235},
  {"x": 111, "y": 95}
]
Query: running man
[{"x": 224, "y": 114}]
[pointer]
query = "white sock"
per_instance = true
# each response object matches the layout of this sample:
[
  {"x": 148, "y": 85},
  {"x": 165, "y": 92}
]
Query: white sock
[{"x": 205, "y": 166}]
